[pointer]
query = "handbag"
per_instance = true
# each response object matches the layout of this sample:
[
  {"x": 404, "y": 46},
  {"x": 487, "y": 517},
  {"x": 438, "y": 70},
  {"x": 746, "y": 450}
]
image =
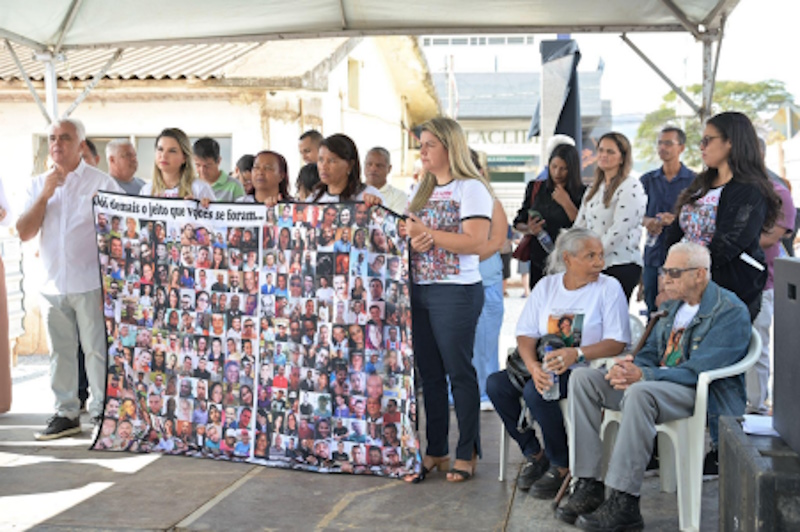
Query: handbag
[{"x": 523, "y": 251}]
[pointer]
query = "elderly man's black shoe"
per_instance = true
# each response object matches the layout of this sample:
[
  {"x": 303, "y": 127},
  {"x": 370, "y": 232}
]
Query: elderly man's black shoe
[
  {"x": 587, "y": 497},
  {"x": 619, "y": 513}
]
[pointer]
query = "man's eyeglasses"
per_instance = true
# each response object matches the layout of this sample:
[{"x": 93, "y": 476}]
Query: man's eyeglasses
[
  {"x": 707, "y": 139},
  {"x": 667, "y": 143},
  {"x": 675, "y": 273}
]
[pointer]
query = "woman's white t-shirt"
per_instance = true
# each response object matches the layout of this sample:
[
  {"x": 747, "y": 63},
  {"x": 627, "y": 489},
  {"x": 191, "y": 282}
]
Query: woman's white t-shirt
[
  {"x": 200, "y": 190},
  {"x": 446, "y": 209},
  {"x": 594, "y": 312},
  {"x": 334, "y": 198}
]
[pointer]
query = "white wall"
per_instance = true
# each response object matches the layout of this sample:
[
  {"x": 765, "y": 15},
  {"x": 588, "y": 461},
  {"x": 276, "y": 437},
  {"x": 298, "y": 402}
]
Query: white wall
[{"x": 378, "y": 120}]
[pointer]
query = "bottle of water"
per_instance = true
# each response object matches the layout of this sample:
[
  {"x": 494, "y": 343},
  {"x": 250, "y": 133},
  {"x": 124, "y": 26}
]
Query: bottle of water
[
  {"x": 545, "y": 241},
  {"x": 554, "y": 392},
  {"x": 651, "y": 237}
]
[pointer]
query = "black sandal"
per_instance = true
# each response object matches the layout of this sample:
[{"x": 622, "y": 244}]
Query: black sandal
[{"x": 440, "y": 463}]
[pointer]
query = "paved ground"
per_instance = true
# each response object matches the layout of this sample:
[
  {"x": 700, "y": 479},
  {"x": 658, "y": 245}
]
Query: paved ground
[{"x": 62, "y": 486}]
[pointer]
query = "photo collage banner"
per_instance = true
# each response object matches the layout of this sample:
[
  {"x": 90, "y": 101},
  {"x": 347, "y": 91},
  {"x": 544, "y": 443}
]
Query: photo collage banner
[{"x": 275, "y": 335}]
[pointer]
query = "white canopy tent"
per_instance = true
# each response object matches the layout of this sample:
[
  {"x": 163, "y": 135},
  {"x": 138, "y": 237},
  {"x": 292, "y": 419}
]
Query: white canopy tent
[{"x": 54, "y": 27}]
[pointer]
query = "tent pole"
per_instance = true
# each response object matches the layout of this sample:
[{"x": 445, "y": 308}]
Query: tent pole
[
  {"x": 708, "y": 80},
  {"x": 685, "y": 97},
  {"x": 27, "y": 81},
  {"x": 66, "y": 25},
  {"x": 94, "y": 82},
  {"x": 50, "y": 81}
]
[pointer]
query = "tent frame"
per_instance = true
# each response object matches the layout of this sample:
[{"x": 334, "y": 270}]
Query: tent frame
[{"x": 709, "y": 37}]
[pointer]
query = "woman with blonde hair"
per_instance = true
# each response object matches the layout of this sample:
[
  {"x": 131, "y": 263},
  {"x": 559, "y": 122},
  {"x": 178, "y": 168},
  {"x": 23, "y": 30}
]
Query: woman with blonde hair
[
  {"x": 448, "y": 223},
  {"x": 173, "y": 173},
  {"x": 613, "y": 208}
]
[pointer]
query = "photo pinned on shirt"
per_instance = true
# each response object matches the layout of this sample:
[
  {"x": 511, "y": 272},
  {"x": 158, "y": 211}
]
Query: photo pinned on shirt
[{"x": 568, "y": 326}]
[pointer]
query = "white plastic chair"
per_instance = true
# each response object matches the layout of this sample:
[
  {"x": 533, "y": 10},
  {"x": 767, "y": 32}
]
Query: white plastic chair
[
  {"x": 681, "y": 443},
  {"x": 637, "y": 329}
]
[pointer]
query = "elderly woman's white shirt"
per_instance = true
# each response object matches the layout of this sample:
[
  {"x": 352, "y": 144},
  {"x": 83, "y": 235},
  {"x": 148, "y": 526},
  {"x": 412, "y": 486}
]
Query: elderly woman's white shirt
[{"x": 598, "y": 310}]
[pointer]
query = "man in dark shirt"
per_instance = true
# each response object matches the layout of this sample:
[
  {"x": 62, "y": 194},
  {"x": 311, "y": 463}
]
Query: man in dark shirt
[{"x": 663, "y": 186}]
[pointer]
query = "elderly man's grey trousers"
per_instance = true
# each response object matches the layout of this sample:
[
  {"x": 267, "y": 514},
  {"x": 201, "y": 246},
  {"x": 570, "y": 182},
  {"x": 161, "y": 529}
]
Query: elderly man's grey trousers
[{"x": 644, "y": 405}]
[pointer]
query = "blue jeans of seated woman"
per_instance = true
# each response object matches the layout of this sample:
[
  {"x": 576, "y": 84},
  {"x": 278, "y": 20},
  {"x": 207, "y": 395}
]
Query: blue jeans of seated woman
[
  {"x": 444, "y": 318},
  {"x": 505, "y": 398}
]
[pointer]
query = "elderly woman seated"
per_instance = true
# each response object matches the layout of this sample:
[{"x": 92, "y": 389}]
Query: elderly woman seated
[{"x": 574, "y": 314}]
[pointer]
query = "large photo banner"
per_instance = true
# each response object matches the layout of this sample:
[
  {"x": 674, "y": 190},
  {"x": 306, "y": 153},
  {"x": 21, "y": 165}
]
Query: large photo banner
[{"x": 279, "y": 336}]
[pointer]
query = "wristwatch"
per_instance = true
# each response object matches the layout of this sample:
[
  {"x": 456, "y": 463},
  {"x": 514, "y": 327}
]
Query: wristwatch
[{"x": 581, "y": 356}]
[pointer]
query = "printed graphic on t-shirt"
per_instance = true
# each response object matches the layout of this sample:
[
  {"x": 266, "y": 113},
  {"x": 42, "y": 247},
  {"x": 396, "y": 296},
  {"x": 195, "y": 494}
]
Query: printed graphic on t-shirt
[
  {"x": 673, "y": 354},
  {"x": 568, "y": 326},
  {"x": 437, "y": 264},
  {"x": 699, "y": 219}
]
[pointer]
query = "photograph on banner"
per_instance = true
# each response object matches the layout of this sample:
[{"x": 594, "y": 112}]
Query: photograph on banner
[{"x": 278, "y": 335}]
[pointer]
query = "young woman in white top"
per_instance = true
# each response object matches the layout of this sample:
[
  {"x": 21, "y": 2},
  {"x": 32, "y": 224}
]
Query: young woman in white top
[
  {"x": 173, "y": 172},
  {"x": 613, "y": 208},
  {"x": 448, "y": 223}
]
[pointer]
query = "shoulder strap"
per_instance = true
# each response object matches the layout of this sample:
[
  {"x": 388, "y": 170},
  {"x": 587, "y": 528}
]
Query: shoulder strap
[{"x": 536, "y": 186}]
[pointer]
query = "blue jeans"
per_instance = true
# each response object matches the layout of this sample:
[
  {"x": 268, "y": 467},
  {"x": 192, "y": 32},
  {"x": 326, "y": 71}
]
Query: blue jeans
[
  {"x": 444, "y": 319},
  {"x": 650, "y": 283},
  {"x": 487, "y": 336},
  {"x": 547, "y": 414}
]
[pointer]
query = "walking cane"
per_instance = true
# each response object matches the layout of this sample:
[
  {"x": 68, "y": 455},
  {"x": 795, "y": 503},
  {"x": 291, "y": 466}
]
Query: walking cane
[{"x": 654, "y": 317}]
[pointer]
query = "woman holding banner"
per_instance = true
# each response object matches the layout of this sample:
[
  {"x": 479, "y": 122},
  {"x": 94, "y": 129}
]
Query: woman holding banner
[
  {"x": 340, "y": 174},
  {"x": 270, "y": 179},
  {"x": 173, "y": 172},
  {"x": 447, "y": 294}
]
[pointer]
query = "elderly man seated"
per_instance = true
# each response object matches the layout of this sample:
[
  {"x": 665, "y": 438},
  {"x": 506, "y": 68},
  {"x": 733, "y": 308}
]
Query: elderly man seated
[{"x": 706, "y": 327}]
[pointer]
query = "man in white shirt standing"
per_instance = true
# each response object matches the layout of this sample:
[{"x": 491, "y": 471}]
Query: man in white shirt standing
[
  {"x": 59, "y": 209},
  {"x": 377, "y": 166}
]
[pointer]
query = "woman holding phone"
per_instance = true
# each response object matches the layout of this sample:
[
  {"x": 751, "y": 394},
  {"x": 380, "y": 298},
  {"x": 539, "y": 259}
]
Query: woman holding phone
[{"x": 551, "y": 206}]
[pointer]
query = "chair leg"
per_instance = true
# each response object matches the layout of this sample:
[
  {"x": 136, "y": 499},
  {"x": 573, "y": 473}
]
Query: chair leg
[
  {"x": 667, "y": 464},
  {"x": 503, "y": 453}
]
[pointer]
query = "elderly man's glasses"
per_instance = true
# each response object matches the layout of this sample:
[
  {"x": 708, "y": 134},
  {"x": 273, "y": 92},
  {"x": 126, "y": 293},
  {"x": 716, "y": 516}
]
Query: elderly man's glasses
[{"x": 675, "y": 273}]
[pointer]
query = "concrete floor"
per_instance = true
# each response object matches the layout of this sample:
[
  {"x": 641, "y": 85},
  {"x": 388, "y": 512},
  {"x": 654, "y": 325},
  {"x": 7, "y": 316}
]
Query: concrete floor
[{"x": 61, "y": 486}]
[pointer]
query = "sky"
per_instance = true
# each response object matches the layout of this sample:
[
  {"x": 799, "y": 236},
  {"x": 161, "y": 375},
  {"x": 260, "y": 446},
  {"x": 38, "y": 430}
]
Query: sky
[{"x": 758, "y": 44}]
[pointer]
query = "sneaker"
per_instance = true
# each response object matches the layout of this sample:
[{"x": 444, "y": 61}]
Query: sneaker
[
  {"x": 711, "y": 463},
  {"x": 587, "y": 497},
  {"x": 619, "y": 512},
  {"x": 59, "y": 427},
  {"x": 487, "y": 406},
  {"x": 532, "y": 471},
  {"x": 547, "y": 487}
]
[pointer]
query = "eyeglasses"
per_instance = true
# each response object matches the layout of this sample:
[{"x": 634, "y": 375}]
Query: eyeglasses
[
  {"x": 707, "y": 139},
  {"x": 675, "y": 273},
  {"x": 667, "y": 143}
]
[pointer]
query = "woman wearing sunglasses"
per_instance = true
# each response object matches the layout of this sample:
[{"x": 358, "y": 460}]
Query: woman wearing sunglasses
[{"x": 728, "y": 206}]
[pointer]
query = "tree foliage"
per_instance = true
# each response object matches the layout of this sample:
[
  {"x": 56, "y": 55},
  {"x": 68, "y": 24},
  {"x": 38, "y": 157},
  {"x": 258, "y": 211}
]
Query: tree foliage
[{"x": 757, "y": 100}]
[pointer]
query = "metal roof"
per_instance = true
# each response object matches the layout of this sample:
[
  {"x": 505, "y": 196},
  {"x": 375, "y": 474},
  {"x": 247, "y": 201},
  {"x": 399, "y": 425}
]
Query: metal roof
[
  {"x": 201, "y": 61},
  {"x": 510, "y": 94}
]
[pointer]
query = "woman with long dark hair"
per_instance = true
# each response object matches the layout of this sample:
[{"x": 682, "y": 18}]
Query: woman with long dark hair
[
  {"x": 555, "y": 203},
  {"x": 340, "y": 173},
  {"x": 728, "y": 206},
  {"x": 613, "y": 208}
]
